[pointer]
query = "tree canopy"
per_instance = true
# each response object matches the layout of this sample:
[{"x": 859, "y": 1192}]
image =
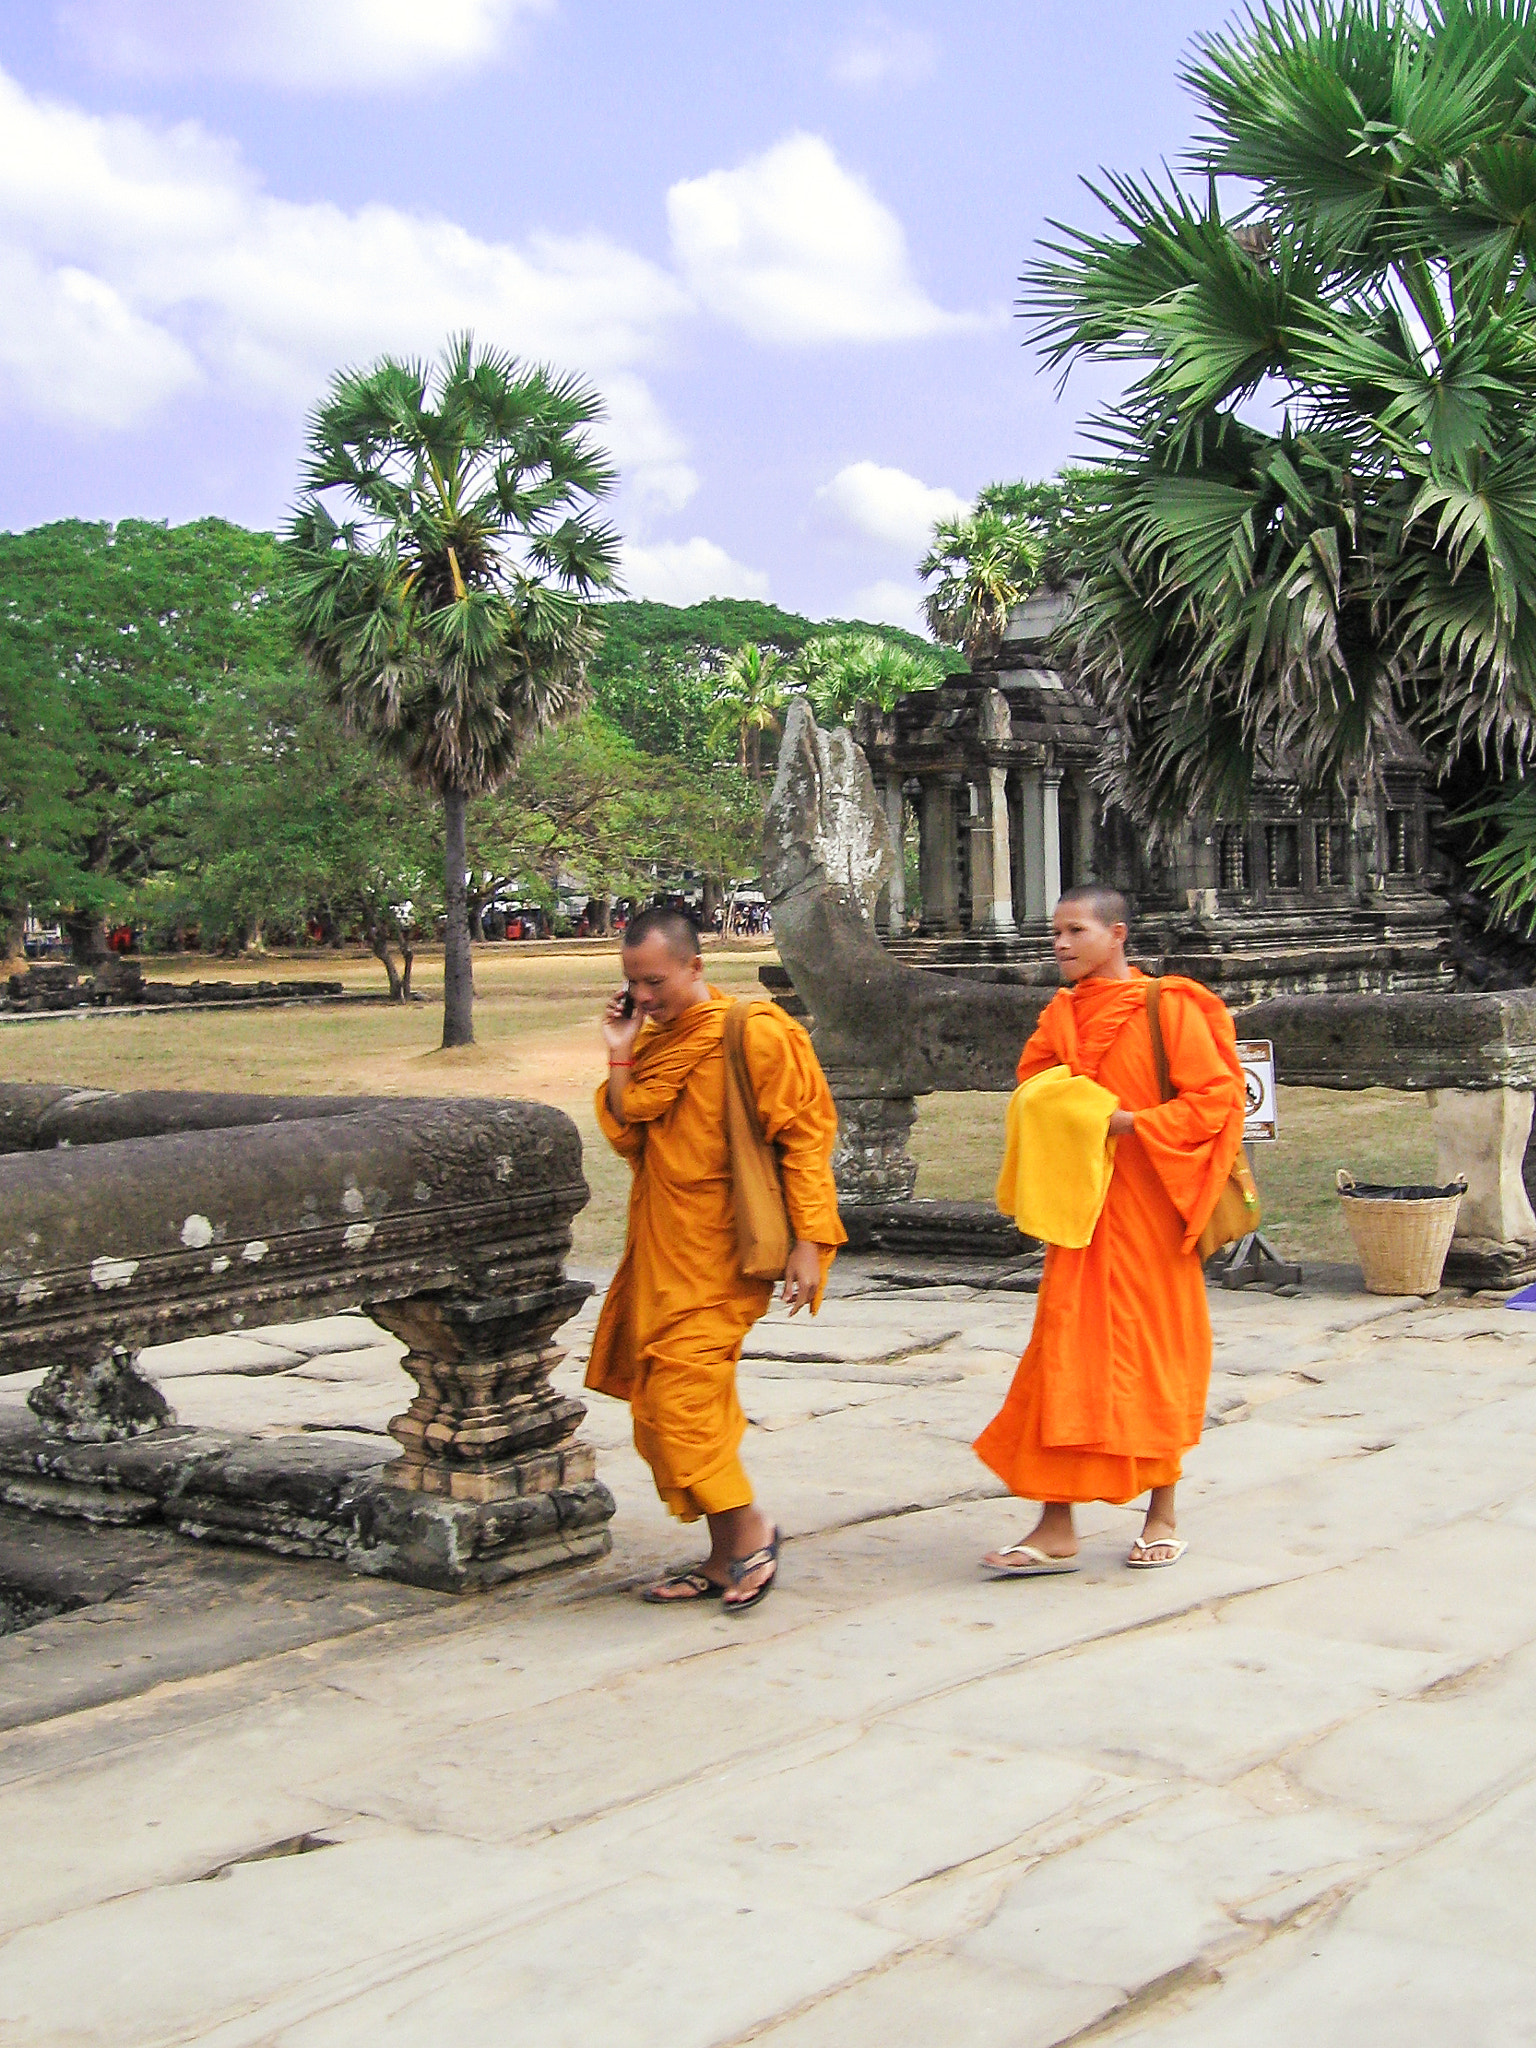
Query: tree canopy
[
  {"x": 1315, "y": 516},
  {"x": 242, "y": 809},
  {"x": 114, "y": 643},
  {"x": 447, "y": 614}
]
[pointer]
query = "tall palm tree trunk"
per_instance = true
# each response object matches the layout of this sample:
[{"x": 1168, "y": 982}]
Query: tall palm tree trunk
[{"x": 458, "y": 966}]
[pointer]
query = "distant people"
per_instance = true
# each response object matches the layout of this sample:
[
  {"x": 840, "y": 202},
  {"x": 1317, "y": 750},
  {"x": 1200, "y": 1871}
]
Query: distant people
[
  {"x": 671, "y": 1329},
  {"x": 1111, "y": 1391}
]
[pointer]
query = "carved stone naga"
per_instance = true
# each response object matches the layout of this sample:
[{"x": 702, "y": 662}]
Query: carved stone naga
[{"x": 884, "y": 1032}]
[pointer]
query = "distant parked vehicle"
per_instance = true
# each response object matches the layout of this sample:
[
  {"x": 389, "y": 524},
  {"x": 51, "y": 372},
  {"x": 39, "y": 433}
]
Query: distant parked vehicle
[{"x": 44, "y": 942}]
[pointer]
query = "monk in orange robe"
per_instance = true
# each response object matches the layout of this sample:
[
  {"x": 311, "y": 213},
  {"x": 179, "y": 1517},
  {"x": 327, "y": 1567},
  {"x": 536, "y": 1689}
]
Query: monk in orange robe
[
  {"x": 671, "y": 1329},
  {"x": 1111, "y": 1391}
]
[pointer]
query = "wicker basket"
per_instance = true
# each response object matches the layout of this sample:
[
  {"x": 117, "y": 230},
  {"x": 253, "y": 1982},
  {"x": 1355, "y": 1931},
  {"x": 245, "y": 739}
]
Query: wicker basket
[{"x": 1401, "y": 1234}]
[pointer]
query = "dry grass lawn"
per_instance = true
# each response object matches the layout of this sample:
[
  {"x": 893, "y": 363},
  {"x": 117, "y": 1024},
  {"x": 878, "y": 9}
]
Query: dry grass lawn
[{"x": 536, "y": 1023}]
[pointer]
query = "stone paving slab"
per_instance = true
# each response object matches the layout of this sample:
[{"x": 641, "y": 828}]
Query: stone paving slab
[{"x": 1284, "y": 1791}]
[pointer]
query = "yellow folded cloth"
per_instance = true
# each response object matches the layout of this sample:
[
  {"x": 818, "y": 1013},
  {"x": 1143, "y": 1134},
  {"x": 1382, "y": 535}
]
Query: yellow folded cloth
[{"x": 1057, "y": 1156}]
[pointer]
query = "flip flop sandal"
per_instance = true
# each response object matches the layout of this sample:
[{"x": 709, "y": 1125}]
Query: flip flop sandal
[
  {"x": 691, "y": 1586},
  {"x": 741, "y": 1567},
  {"x": 1144, "y": 1563},
  {"x": 1038, "y": 1564}
]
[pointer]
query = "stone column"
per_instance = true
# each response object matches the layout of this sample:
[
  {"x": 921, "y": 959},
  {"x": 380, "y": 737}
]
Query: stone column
[
  {"x": 896, "y": 819},
  {"x": 1051, "y": 835},
  {"x": 1032, "y": 853},
  {"x": 1483, "y": 1134},
  {"x": 870, "y": 1162},
  {"x": 486, "y": 1425},
  {"x": 983, "y": 878},
  {"x": 1085, "y": 847},
  {"x": 941, "y": 884},
  {"x": 1002, "y": 852}
]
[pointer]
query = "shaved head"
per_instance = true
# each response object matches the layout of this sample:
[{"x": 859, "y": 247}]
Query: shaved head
[
  {"x": 675, "y": 928},
  {"x": 1101, "y": 902}
]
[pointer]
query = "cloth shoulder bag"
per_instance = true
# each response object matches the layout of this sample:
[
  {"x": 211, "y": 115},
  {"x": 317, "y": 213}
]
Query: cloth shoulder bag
[
  {"x": 1237, "y": 1211},
  {"x": 763, "y": 1239}
]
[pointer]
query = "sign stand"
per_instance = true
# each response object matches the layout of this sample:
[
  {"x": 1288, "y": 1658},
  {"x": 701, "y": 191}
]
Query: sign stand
[{"x": 1254, "y": 1262}]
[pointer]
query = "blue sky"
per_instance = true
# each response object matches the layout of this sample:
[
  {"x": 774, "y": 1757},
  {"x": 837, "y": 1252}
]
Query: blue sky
[{"x": 783, "y": 239}]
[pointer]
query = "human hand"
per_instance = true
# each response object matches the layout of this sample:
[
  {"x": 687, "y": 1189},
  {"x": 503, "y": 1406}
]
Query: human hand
[
  {"x": 620, "y": 1031},
  {"x": 802, "y": 1277},
  {"x": 1121, "y": 1123}
]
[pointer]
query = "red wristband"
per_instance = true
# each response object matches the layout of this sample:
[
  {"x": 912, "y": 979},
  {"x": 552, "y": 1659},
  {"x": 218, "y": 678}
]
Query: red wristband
[{"x": 621, "y": 1063}]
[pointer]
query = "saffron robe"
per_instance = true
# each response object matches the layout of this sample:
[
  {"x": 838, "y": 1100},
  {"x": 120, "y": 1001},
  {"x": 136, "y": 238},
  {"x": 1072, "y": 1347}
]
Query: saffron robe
[
  {"x": 671, "y": 1330},
  {"x": 1111, "y": 1390}
]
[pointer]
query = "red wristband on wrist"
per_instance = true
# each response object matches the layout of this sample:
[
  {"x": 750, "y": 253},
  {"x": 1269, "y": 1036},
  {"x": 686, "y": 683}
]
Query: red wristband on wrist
[{"x": 621, "y": 1063}]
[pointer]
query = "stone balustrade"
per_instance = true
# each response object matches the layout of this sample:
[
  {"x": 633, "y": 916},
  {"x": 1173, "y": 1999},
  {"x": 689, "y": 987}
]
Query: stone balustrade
[{"x": 128, "y": 1220}]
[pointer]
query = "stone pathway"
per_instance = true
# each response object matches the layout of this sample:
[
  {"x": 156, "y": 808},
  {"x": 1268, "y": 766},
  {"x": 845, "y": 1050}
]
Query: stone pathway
[{"x": 1285, "y": 1791}]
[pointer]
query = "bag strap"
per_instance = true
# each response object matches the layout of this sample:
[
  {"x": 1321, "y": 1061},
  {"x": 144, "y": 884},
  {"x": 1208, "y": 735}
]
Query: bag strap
[
  {"x": 1159, "y": 1050},
  {"x": 734, "y": 1040}
]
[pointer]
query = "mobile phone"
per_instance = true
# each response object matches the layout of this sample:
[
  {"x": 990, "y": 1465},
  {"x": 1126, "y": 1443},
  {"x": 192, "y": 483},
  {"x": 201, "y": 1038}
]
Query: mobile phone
[{"x": 626, "y": 1004}]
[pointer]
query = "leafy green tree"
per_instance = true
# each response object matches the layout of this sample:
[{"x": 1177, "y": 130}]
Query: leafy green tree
[
  {"x": 748, "y": 700},
  {"x": 296, "y": 820},
  {"x": 840, "y": 671},
  {"x": 448, "y": 618},
  {"x": 581, "y": 802},
  {"x": 113, "y": 643},
  {"x": 980, "y": 565},
  {"x": 1316, "y": 515},
  {"x": 1050, "y": 512},
  {"x": 585, "y": 802},
  {"x": 664, "y": 701},
  {"x": 657, "y": 672}
]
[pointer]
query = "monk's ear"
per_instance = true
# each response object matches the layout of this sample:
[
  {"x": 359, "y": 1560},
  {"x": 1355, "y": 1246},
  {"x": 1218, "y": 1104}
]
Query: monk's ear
[{"x": 1119, "y": 932}]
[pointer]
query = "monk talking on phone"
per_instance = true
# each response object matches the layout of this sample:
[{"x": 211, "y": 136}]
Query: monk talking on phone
[
  {"x": 671, "y": 1330},
  {"x": 1111, "y": 1391}
]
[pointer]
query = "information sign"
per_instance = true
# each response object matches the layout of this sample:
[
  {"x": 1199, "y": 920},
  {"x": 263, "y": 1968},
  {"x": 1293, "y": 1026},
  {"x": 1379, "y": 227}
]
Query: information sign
[{"x": 1261, "y": 1115}]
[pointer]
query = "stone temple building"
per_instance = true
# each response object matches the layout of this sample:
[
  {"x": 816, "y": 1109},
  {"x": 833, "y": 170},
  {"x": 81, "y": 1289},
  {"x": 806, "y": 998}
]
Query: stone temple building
[{"x": 997, "y": 768}]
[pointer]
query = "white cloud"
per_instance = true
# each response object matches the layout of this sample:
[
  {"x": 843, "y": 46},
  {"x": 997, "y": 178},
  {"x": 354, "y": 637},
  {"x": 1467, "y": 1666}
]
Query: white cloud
[
  {"x": 72, "y": 349},
  {"x": 795, "y": 249},
  {"x": 300, "y": 45},
  {"x": 880, "y": 51},
  {"x": 151, "y": 260},
  {"x": 688, "y": 571},
  {"x": 890, "y": 603},
  {"x": 889, "y": 505}
]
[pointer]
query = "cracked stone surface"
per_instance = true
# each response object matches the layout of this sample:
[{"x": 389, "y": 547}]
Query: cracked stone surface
[{"x": 1286, "y": 1790}]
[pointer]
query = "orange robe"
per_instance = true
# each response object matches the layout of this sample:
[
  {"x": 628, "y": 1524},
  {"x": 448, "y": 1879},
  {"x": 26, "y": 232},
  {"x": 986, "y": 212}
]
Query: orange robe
[
  {"x": 671, "y": 1329},
  {"x": 1111, "y": 1391}
]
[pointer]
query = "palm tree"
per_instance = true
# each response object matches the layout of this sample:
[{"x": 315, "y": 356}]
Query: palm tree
[
  {"x": 748, "y": 701},
  {"x": 1315, "y": 515},
  {"x": 985, "y": 562},
  {"x": 839, "y": 671},
  {"x": 447, "y": 616}
]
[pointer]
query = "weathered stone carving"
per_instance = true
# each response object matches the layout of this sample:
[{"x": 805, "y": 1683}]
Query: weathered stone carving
[
  {"x": 127, "y": 1221},
  {"x": 884, "y": 1032},
  {"x": 98, "y": 1404}
]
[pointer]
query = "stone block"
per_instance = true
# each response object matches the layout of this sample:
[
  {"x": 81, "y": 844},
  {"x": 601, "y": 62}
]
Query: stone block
[
  {"x": 100, "y": 1403},
  {"x": 1483, "y": 1134}
]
